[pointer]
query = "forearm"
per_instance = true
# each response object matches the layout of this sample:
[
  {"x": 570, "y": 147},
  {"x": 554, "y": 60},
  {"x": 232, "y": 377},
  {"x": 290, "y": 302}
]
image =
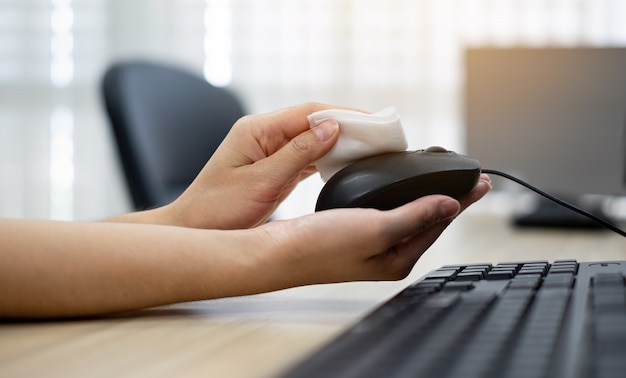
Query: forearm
[
  {"x": 158, "y": 216},
  {"x": 53, "y": 269},
  {"x": 56, "y": 269},
  {"x": 181, "y": 213}
]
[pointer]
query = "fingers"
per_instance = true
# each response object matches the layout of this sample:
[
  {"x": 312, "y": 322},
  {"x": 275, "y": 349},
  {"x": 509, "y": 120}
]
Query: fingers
[
  {"x": 293, "y": 121},
  {"x": 422, "y": 223},
  {"x": 480, "y": 190},
  {"x": 422, "y": 215},
  {"x": 417, "y": 225},
  {"x": 419, "y": 216},
  {"x": 300, "y": 152}
]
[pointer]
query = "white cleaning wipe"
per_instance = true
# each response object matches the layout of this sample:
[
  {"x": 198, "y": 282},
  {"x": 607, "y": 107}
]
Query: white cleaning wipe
[{"x": 361, "y": 135}]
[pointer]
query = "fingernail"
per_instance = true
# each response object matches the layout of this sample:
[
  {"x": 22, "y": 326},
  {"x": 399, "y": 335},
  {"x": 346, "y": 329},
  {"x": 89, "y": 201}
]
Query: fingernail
[
  {"x": 488, "y": 183},
  {"x": 449, "y": 208},
  {"x": 325, "y": 130}
]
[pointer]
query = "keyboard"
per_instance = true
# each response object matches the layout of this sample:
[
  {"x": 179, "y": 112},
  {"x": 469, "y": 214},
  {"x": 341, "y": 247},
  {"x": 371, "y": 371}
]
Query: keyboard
[{"x": 513, "y": 319}]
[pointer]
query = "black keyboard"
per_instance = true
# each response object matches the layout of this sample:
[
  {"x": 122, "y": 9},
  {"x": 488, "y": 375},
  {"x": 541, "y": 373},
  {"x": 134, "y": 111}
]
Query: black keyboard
[{"x": 516, "y": 319}]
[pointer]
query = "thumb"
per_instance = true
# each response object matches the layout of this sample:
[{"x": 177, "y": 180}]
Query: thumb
[
  {"x": 302, "y": 151},
  {"x": 421, "y": 215}
]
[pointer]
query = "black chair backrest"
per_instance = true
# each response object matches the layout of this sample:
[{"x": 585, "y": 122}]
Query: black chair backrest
[{"x": 167, "y": 123}]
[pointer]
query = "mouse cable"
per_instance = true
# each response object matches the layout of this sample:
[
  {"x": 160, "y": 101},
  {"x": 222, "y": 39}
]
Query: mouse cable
[{"x": 557, "y": 200}]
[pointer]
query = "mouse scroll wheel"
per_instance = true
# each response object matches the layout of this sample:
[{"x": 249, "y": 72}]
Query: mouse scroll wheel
[{"x": 436, "y": 149}]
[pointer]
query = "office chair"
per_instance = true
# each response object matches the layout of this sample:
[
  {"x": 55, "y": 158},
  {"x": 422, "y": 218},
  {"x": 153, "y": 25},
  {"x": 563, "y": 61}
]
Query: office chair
[{"x": 167, "y": 123}]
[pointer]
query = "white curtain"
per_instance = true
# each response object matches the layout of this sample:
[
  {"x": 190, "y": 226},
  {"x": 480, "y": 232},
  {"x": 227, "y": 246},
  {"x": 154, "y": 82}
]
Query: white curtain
[{"x": 56, "y": 153}]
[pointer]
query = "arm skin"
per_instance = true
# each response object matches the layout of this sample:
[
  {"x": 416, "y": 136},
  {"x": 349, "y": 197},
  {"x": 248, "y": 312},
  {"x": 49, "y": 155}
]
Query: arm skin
[
  {"x": 213, "y": 241},
  {"x": 57, "y": 269}
]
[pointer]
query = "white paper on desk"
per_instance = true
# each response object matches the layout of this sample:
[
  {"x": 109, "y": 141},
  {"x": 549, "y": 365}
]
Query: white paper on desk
[{"x": 361, "y": 135}]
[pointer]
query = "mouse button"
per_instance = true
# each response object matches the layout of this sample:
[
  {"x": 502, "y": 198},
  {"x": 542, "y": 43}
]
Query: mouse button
[
  {"x": 431, "y": 162},
  {"x": 436, "y": 149},
  {"x": 402, "y": 166},
  {"x": 449, "y": 161},
  {"x": 382, "y": 169}
]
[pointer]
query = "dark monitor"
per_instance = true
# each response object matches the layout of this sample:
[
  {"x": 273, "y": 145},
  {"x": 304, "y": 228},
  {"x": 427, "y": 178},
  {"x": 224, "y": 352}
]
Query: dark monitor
[{"x": 555, "y": 117}]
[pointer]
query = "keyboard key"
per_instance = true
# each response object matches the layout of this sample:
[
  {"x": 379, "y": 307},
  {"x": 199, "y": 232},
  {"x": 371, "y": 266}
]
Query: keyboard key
[
  {"x": 608, "y": 279},
  {"x": 559, "y": 270},
  {"x": 475, "y": 269},
  {"x": 563, "y": 266},
  {"x": 500, "y": 274},
  {"x": 543, "y": 265},
  {"x": 525, "y": 271},
  {"x": 608, "y": 297},
  {"x": 458, "y": 286},
  {"x": 525, "y": 282},
  {"x": 446, "y": 274},
  {"x": 483, "y": 267},
  {"x": 513, "y": 266},
  {"x": 428, "y": 283},
  {"x": 469, "y": 276},
  {"x": 452, "y": 267},
  {"x": 565, "y": 280},
  {"x": 565, "y": 261}
]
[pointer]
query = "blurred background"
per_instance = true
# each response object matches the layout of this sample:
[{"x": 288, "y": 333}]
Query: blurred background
[{"x": 57, "y": 155}]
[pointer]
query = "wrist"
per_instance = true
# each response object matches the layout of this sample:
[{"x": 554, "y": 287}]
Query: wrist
[{"x": 283, "y": 257}]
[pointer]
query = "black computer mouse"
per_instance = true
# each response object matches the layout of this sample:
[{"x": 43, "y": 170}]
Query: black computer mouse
[{"x": 390, "y": 180}]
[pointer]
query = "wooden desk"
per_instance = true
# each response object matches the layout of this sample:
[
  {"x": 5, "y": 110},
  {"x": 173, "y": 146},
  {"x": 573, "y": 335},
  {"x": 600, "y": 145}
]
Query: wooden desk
[{"x": 260, "y": 336}]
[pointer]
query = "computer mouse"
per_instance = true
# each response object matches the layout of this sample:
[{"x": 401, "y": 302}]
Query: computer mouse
[{"x": 389, "y": 180}]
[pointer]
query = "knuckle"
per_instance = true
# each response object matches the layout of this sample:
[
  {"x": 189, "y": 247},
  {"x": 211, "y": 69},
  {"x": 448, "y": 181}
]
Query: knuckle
[
  {"x": 300, "y": 145},
  {"x": 244, "y": 121},
  {"x": 312, "y": 106},
  {"x": 401, "y": 274}
]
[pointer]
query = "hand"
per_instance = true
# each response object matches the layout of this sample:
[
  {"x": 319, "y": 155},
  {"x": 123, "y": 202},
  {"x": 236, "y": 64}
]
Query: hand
[
  {"x": 356, "y": 244},
  {"x": 258, "y": 164},
  {"x": 86, "y": 268}
]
